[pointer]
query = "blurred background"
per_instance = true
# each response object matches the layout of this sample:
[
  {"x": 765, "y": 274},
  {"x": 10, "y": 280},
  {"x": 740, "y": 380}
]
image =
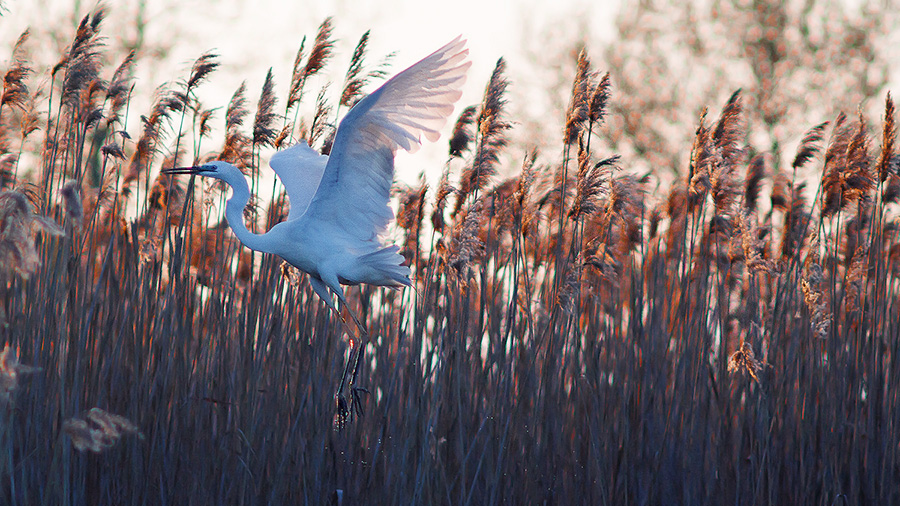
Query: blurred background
[{"x": 802, "y": 59}]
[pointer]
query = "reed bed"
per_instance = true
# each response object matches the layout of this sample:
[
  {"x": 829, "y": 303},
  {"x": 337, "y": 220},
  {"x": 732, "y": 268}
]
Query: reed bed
[{"x": 574, "y": 335}]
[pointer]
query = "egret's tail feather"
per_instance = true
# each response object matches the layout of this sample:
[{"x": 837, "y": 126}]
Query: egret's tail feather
[{"x": 387, "y": 263}]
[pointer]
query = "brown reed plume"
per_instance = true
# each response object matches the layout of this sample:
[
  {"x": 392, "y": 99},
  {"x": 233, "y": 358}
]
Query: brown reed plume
[
  {"x": 98, "y": 430},
  {"x": 889, "y": 162},
  {"x": 796, "y": 223},
  {"x": 600, "y": 99},
  {"x": 756, "y": 172},
  {"x": 490, "y": 136},
  {"x": 580, "y": 102},
  {"x": 10, "y": 370},
  {"x": 236, "y": 149},
  {"x": 809, "y": 145},
  {"x": 355, "y": 80},
  {"x": 847, "y": 177},
  {"x": 18, "y": 227},
  {"x": 83, "y": 61},
  {"x": 320, "y": 125},
  {"x": 152, "y": 129},
  {"x": 462, "y": 133},
  {"x": 264, "y": 131},
  {"x": 744, "y": 361},
  {"x": 15, "y": 90},
  {"x": 119, "y": 88},
  {"x": 321, "y": 52},
  {"x": 727, "y": 137},
  {"x": 589, "y": 183},
  {"x": 443, "y": 192},
  {"x": 203, "y": 66},
  {"x": 813, "y": 283},
  {"x": 71, "y": 195},
  {"x": 702, "y": 161}
]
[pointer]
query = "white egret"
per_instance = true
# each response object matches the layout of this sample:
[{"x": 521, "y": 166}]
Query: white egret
[{"x": 339, "y": 203}]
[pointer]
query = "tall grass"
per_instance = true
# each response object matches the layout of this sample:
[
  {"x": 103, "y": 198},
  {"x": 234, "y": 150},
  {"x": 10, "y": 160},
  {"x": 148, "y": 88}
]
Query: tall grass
[{"x": 570, "y": 338}]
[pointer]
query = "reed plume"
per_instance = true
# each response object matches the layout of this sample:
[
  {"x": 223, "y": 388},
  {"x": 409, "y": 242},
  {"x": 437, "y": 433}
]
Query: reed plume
[
  {"x": 18, "y": 226},
  {"x": 462, "y": 134},
  {"x": 322, "y": 50},
  {"x": 756, "y": 172},
  {"x": 490, "y": 136},
  {"x": 98, "y": 430},
  {"x": 264, "y": 131},
  {"x": 15, "y": 90},
  {"x": 886, "y": 161},
  {"x": 119, "y": 88},
  {"x": 580, "y": 102},
  {"x": 809, "y": 146},
  {"x": 10, "y": 370},
  {"x": 236, "y": 147}
]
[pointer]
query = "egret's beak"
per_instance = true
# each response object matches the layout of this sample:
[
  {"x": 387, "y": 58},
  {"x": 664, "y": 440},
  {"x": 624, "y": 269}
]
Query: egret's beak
[{"x": 186, "y": 170}]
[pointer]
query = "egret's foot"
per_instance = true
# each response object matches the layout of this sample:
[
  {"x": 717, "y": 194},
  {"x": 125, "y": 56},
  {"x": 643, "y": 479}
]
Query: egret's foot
[
  {"x": 356, "y": 404},
  {"x": 341, "y": 411},
  {"x": 346, "y": 407}
]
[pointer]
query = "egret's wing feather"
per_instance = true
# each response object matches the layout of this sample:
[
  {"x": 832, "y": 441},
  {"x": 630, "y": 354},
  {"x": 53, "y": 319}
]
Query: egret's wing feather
[
  {"x": 355, "y": 188},
  {"x": 300, "y": 170}
]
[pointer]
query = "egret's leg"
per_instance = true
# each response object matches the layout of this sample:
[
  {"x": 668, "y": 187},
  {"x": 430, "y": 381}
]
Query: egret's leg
[
  {"x": 360, "y": 349},
  {"x": 345, "y": 407},
  {"x": 342, "y": 404}
]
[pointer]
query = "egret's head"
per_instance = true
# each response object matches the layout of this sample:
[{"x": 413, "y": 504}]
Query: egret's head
[{"x": 218, "y": 169}]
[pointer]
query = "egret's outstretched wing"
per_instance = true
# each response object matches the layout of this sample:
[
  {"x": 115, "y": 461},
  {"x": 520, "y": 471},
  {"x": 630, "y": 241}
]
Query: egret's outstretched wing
[
  {"x": 300, "y": 170},
  {"x": 355, "y": 188}
]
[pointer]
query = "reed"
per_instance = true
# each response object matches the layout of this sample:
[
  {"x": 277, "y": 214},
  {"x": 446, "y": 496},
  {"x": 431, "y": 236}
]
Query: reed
[{"x": 573, "y": 336}]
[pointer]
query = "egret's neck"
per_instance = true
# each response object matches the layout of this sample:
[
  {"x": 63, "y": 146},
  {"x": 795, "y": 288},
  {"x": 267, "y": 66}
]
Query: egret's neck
[{"x": 234, "y": 213}]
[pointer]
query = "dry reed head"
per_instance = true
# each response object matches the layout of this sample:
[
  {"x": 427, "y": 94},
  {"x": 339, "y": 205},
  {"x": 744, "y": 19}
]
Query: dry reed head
[
  {"x": 119, "y": 88},
  {"x": 466, "y": 245},
  {"x": 813, "y": 284},
  {"x": 525, "y": 210},
  {"x": 15, "y": 91},
  {"x": 888, "y": 138},
  {"x": 809, "y": 145},
  {"x": 355, "y": 79},
  {"x": 71, "y": 195},
  {"x": 264, "y": 131},
  {"x": 153, "y": 126},
  {"x": 203, "y": 66},
  {"x": 18, "y": 226},
  {"x": 756, "y": 171},
  {"x": 796, "y": 223},
  {"x": 236, "y": 149},
  {"x": 444, "y": 190},
  {"x": 98, "y": 430},
  {"x": 588, "y": 183},
  {"x": 10, "y": 369},
  {"x": 857, "y": 180},
  {"x": 296, "y": 90},
  {"x": 84, "y": 60},
  {"x": 753, "y": 244},
  {"x": 744, "y": 361},
  {"x": 322, "y": 49},
  {"x": 838, "y": 165},
  {"x": 726, "y": 138},
  {"x": 320, "y": 125},
  {"x": 580, "y": 102},
  {"x": 462, "y": 134},
  {"x": 701, "y": 163},
  {"x": 491, "y": 136},
  {"x": 600, "y": 99}
]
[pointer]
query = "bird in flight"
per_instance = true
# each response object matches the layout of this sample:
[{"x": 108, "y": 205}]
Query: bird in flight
[{"x": 339, "y": 203}]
